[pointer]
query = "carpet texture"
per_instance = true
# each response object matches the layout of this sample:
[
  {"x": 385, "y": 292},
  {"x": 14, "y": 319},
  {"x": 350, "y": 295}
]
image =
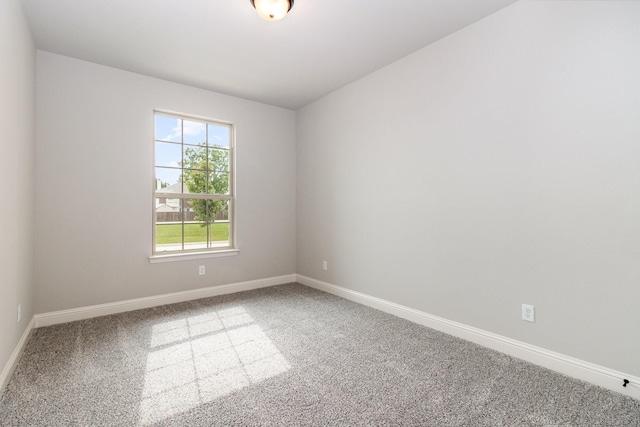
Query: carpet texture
[{"x": 286, "y": 355}]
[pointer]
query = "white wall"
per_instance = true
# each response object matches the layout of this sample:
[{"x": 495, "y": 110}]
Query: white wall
[
  {"x": 94, "y": 180},
  {"x": 498, "y": 166},
  {"x": 17, "y": 142}
]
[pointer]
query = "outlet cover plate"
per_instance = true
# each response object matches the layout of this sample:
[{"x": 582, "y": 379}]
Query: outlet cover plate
[{"x": 528, "y": 313}]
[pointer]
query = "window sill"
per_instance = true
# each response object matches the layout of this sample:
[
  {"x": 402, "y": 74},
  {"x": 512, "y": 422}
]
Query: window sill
[{"x": 153, "y": 259}]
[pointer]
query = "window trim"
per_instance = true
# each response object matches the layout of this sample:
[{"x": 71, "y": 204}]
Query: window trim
[
  {"x": 185, "y": 254},
  {"x": 155, "y": 259}
]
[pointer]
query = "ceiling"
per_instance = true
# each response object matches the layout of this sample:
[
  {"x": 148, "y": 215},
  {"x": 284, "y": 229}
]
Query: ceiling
[{"x": 224, "y": 46}]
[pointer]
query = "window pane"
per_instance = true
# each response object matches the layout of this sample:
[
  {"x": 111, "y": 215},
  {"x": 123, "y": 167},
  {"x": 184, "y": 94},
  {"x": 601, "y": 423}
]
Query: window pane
[
  {"x": 219, "y": 136},
  {"x": 199, "y": 210},
  {"x": 168, "y": 154},
  {"x": 196, "y": 215},
  {"x": 195, "y": 226},
  {"x": 168, "y": 180},
  {"x": 168, "y": 128},
  {"x": 219, "y": 229},
  {"x": 218, "y": 159},
  {"x": 195, "y": 157},
  {"x": 222, "y": 211},
  {"x": 218, "y": 182},
  {"x": 195, "y": 181},
  {"x": 219, "y": 234},
  {"x": 195, "y": 235},
  {"x": 194, "y": 132},
  {"x": 168, "y": 225}
]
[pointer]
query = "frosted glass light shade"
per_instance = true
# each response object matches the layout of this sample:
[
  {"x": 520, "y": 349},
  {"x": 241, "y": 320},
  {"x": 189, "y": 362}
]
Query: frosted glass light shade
[{"x": 272, "y": 10}]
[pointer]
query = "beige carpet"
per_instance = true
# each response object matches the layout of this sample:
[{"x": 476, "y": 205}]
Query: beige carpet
[{"x": 286, "y": 356}]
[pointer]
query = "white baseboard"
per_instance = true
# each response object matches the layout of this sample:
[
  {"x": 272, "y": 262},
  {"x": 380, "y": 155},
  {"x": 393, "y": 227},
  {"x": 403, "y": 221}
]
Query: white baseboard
[
  {"x": 63, "y": 316},
  {"x": 575, "y": 368},
  {"x": 570, "y": 366},
  {"x": 11, "y": 364}
]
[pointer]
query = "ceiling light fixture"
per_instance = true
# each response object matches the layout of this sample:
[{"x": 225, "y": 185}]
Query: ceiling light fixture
[{"x": 272, "y": 10}]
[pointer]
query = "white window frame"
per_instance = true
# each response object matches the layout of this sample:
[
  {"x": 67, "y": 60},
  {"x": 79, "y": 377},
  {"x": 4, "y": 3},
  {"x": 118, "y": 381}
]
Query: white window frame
[{"x": 215, "y": 251}]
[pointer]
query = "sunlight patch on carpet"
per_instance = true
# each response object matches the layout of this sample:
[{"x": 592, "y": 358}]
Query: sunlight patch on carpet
[{"x": 200, "y": 358}]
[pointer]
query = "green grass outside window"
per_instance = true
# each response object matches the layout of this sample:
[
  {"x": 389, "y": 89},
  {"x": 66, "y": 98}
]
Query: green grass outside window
[{"x": 172, "y": 233}]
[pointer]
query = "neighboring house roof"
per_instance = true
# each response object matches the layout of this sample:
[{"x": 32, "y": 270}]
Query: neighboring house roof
[
  {"x": 167, "y": 208},
  {"x": 174, "y": 188}
]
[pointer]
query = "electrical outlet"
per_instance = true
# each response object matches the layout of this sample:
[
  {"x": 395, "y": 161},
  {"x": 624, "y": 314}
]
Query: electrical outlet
[
  {"x": 201, "y": 270},
  {"x": 528, "y": 313},
  {"x": 325, "y": 265},
  {"x": 19, "y": 312}
]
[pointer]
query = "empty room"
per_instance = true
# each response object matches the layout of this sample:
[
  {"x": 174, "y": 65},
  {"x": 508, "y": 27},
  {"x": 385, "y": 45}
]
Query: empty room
[{"x": 279, "y": 212}]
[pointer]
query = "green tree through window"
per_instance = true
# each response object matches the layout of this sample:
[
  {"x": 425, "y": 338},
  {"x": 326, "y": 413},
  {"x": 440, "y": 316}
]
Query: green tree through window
[{"x": 206, "y": 170}]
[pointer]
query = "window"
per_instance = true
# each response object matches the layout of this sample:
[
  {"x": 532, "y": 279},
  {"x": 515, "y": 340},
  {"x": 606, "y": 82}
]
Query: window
[{"x": 193, "y": 185}]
